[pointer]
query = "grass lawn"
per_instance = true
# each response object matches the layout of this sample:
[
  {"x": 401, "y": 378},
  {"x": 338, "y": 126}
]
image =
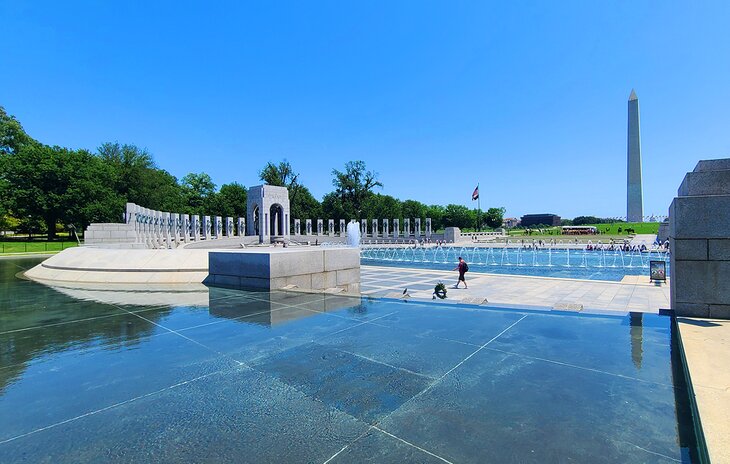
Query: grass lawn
[
  {"x": 34, "y": 246},
  {"x": 607, "y": 232},
  {"x": 639, "y": 227}
]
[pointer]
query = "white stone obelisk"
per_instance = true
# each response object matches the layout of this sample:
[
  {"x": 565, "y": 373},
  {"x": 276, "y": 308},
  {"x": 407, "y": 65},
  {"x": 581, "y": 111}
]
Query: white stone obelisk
[{"x": 634, "y": 194}]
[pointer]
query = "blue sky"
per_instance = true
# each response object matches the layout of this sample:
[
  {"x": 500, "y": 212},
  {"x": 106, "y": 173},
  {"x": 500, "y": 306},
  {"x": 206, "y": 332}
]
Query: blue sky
[{"x": 526, "y": 98}]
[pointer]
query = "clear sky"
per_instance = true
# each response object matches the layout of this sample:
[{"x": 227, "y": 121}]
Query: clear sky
[{"x": 529, "y": 99}]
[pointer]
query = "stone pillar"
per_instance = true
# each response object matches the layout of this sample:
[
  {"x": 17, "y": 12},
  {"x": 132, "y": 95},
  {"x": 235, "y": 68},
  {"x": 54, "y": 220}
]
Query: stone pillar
[
  {"x": 149, "y": 228},
  {"x": 343, "y": 228},
  {"x": 396, "y": 228},
  {"x": 297, "y": 227},
  {"x": 168, "y": 226},
  {"x": 418, "y": 227},
  {"x": 218, "y": 224},
  {"x": 263, "y": 225},
  {"x": 385, "y": 228},
  {"x": 194, "y": 227},
  {"x": 175, "y": 218},
  {"x": 229, "y": 226},
  {"x": 241, "y": 227},
  {"x": 185, "y": 227},
  {"x": 133, "y": 218},
  {"x": 428, "y": 228},
  {"x": 374, "y": 227},
  {"x": 320, "y": 227},
  {"x": 159, "y": 229},
  {"x": 308, "y": 226},
  {"x": 331, "y": 227},
  {"x": 406, "y": 227},
  {"x": 363, "y": 227},
  {"x": 206, "y": 228},
  {"x": 452, "y": 234},
  {"x": 699, "y": 240}
]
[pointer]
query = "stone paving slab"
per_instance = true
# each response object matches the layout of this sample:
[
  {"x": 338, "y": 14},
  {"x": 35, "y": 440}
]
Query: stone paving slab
[
  {"x": 706, "y": 344},
  {"x": 636, "y": 294}
]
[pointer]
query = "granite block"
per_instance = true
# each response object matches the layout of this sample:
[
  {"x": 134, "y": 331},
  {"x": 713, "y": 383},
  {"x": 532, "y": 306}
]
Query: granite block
[
  {"x": 705, "y": 183},
  {"x": 713, "y": 165},
  {"x": 692, "y": 309},
  {"x": 296, "y": 262},
  {"x": 700, "y": 217},
  {"x": 689, "y": 249},
  {"x": 719, "y": 250},
  {"x": 348, "y": 276},
  {"x": 323, "y": 280},
  {"x": 341, "y": 258},
  {"x": 701, "y": 281},
  {"x": 720, "y": 311}
]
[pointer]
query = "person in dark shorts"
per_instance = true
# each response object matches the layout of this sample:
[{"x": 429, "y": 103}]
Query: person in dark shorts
[{"x": 462, "y": 268}]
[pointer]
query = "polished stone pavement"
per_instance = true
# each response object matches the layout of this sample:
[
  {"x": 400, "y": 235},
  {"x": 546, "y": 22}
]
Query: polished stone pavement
[
  {"x": 634, "y": 293},
  {"x": 289, "y": 377}
]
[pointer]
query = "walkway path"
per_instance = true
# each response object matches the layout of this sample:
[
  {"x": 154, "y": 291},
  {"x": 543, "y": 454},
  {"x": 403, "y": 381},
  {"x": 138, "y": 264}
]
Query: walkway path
[
  {"x": 706, "y": 344},
  {"x": 632, "y": 294}
]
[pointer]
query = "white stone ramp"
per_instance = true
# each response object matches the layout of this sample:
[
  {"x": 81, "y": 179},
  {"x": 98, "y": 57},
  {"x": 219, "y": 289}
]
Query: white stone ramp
[
  {"x": 643, "y": 239},
  {"x": 107, "y": 265}
]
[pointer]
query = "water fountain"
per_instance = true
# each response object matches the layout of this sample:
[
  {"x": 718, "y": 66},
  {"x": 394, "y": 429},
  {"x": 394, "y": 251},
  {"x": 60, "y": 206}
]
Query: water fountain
[
  {"x": 353, "y": 235},
  {"x": 600, "y": 262}
]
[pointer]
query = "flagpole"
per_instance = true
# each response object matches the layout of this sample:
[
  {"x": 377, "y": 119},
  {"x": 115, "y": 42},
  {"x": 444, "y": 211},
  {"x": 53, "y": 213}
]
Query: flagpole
[{"x": 479, "y": 210}]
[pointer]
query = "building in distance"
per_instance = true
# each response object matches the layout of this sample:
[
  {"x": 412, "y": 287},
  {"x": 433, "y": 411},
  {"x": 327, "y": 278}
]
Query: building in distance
[{"x": 545, "y": 219}]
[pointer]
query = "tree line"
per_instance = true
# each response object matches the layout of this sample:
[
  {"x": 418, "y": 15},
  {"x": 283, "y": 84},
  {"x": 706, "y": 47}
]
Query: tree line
[{"x": 44, "y": 188}]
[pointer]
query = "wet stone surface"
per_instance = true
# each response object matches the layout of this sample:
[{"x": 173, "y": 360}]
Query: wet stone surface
[{"x": 285, "y": 377}]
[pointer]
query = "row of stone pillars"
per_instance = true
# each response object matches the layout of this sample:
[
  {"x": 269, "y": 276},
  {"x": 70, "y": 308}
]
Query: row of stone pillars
[
  {"x": 377, "y": 229},
  {"x": 160, "y": 229}
]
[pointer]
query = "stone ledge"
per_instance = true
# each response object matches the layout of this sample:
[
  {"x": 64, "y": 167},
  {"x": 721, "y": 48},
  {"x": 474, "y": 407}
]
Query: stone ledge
[
  {"x": 275, "y": 268},
  {"x": 700, "y": 217},
  {"x": 705, "y": 183}
]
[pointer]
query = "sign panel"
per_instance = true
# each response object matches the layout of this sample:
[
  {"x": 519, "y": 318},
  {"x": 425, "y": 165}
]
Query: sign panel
[{"x": 658, "y": 270}]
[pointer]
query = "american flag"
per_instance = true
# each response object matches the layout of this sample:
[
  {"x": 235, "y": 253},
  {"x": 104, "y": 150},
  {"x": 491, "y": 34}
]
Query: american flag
[{"x": 475, "y": 195}]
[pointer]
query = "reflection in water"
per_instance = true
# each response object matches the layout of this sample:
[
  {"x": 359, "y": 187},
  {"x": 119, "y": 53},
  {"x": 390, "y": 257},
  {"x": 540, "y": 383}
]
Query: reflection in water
[
  {"x": 637, "y": 336},
  {"x": 137, "y": 295},
  {"x": 277, "y": 307},
  {"x": 21, "y": 347},
  {"x": 38, "y": 321}
]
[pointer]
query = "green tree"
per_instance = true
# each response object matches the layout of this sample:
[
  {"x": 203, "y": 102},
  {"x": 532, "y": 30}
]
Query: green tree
[
  {"x": 458, "y": 216},
  {"x": 280, "y": 175},
  {"x": 436, "y": 213},
  {"x": 138, "y": 180},
  {"x": 230, "y": 201},
  {"x": 583, "y": 220},
  {"x": 354, "y": 186},
  {"x": 12, "y": 135},
  {"x": 57, "y": 185},
  {"x": 414, "y": 209},
  {"x": 380, "y": 207},
  {"x": 302, "y": 204},
  {"x": 493, "y": 217},
  {"x": 333, "y": 208},
  {"x": 199, "y": 190}
]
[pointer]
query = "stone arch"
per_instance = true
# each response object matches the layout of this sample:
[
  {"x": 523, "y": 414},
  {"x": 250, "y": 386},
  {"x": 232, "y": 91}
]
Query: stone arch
[
  {"x": 255, "y": 222},
  {"x": 268, "y": 212},
  {"x": 276, "y": 220}
]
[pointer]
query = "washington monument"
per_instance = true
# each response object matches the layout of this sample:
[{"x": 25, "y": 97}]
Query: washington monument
[{"x": 634, "y": 194}]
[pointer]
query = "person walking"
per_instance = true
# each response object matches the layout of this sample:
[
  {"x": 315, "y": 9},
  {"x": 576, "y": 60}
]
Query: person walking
[{"x": 462, "y": 267}]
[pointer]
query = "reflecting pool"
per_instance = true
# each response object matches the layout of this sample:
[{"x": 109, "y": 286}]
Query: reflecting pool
[{"x": 217, "y": 375}]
